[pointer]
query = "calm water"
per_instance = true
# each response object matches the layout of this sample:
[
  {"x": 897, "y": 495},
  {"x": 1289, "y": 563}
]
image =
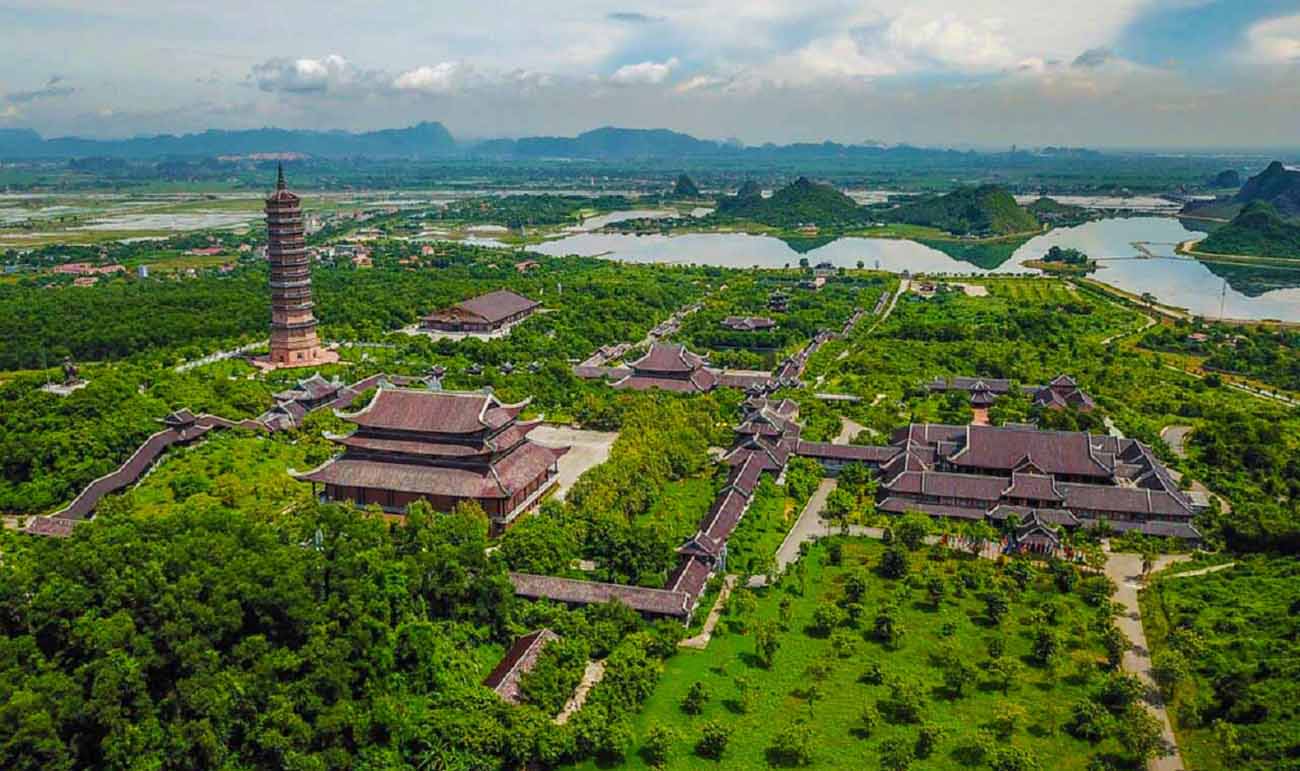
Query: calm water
[{"x": 1180, "y": 282}]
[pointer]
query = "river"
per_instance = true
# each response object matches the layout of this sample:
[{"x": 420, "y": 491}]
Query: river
[{"x": 1173, "y": 280}]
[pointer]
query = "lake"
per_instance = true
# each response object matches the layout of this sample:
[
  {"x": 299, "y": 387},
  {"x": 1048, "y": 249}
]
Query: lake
[{"x": 1184, "y": 283}]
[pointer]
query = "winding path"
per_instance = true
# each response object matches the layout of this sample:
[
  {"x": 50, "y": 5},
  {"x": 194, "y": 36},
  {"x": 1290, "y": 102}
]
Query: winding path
[{"x": 1126, "y": 571}]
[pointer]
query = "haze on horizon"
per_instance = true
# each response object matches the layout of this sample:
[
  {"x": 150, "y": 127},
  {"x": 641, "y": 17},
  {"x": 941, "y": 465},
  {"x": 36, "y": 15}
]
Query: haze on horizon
[{"x": 1109, "y": 73}]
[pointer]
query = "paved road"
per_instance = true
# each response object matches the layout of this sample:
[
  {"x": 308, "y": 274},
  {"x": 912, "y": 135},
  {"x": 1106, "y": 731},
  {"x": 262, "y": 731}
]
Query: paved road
[
  {"x": 808, "y": 527},
  {"x": 588, "y": 448},
  {"x": 1126, "y": 571}
]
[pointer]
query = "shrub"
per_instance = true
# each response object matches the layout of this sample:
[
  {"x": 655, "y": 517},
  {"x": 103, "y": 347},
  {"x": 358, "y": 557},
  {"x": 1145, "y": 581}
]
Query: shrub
[
  {"x": 868, "y": 720},
  {"x": 1046, "y": 645},
  {"x": 1119, "y": 691},
  {"x": 927, "y": 739},
  {"x": 1168, "y": 669},
  {"x": 1140, "y": 734},
  {"x": 826, "y": 617},
  {"x": 713, "y": 740},
  {"x": 1088, "y": 721},
  {"x": 896, "y": 754},
  {"x": 996, "y": 605},
  {"x": 1007, "y": 717},
  {"x": 695, "y": 699},
  {"x": 958, "y": 673},
  {"x": 793, "y": 745},
  {"x": 658, "y": 743},
  {"x": 893, "y": 563},
  {"x": 904, "y": 702}
]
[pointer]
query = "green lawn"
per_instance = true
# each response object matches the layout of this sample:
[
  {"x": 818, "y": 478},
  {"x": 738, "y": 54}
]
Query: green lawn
[{"x": 782, "y": 690}]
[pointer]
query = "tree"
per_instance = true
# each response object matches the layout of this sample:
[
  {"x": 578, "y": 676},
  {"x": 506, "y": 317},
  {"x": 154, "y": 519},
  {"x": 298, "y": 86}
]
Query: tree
[
  {"x": 713, "y": 740},
  {"x": 1011, "y": 758},
  {"x": 935, "y": 588},
  {"x": 746, "y": 694},
  {"x": 911, "y": 529},
  {"x": 839, "y": 505},
  {"x": 855, "y": 586},
  {"x": 1119, "y": 691},
  {"x": 793, "y": 745},
  {"x": 1021, "y": 571},
  {"x": 1046, "y": 645},
  {"x": 1004, "y": 673},
  {"x": 1116, "y": 644},
  {"x": 996, "y": 605},
  {"x": 1140, "y": 734},
  {"x": 1168, "y": 669},
  {"x": 658, "y": 744},
  {"x": 1088, "y": 721},
  {"x": 696, "y": 698},
  {"x": 826, "y": 617},
  {"x": 896, "y": 754},
  {"x": 958, "y": 674},
  {"x": 893, "y": 563},
  {"x": 766, "y": 643},
  {"x": 888, "y": 629},
  {"x": 927, "y": 739},
  {"x": 904, "y": 702},
  {"x": 1007, "y": 717},
  {"x": 868, "y": 720}
]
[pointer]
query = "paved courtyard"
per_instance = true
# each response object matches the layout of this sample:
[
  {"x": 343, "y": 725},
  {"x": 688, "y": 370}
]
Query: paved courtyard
[{"x": 589, "y": 448}]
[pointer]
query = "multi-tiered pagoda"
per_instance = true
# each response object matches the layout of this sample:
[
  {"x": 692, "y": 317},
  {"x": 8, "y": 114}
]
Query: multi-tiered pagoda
[
  {"x": 441, "y": 446},
  {"x": 293, "y": 327}
]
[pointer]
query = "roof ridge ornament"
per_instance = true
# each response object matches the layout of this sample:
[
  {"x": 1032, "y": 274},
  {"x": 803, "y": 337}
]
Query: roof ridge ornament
[{"x": 279, "y": 177}]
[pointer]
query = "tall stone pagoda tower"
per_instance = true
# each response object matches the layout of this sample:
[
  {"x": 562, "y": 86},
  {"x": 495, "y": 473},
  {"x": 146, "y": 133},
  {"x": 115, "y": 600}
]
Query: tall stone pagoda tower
[{"x": 293, "y": 327}]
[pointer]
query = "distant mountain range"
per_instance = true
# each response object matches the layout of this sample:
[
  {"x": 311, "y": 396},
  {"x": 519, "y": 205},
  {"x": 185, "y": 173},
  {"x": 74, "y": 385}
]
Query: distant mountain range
[
  {"x": 432, "y": 140},
  {"x": 423, "y": 140}
]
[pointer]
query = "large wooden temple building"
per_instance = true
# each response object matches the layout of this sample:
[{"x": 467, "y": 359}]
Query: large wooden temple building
[
  {"x": 441, "y": 446},
  {"x": 488, "y": 313}
]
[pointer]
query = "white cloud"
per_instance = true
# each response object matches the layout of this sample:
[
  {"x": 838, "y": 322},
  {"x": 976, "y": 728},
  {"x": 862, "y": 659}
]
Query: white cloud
[
  {"x": 332, "y": 73},
  {"x": 441, "y": 78},
  {"x": 643, "y": 73},
  {"x": 1276, "y": 41}
]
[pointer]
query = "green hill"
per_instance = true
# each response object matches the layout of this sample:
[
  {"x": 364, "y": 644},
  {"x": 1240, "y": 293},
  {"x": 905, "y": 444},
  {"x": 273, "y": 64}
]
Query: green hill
[
  {"x": 1276, "y": 185},
  {"x": 1258, "y": 231},
  {"x": 984, "y": 211},
  {"x": 802, "y": 202},
  {"x": 685, "y": 188}
]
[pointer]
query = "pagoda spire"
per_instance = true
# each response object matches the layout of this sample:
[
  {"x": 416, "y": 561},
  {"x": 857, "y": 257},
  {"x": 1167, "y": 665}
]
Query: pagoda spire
[{"x": 279, "y": 176}]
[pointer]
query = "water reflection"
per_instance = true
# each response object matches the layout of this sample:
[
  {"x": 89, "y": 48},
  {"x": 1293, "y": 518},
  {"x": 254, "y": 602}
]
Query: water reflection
[{"x": 1120, "y": 244}]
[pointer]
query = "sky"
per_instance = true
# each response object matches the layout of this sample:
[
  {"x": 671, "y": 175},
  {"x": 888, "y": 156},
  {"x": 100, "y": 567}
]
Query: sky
[{"x": 984, "y": 73}]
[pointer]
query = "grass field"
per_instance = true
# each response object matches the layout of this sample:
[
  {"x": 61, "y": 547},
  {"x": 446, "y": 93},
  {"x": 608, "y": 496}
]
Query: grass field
[
  {"x": 781, "y": 693},
  {"x": 1237, "y": 631},
  {"x": 681, "y": 506}
]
